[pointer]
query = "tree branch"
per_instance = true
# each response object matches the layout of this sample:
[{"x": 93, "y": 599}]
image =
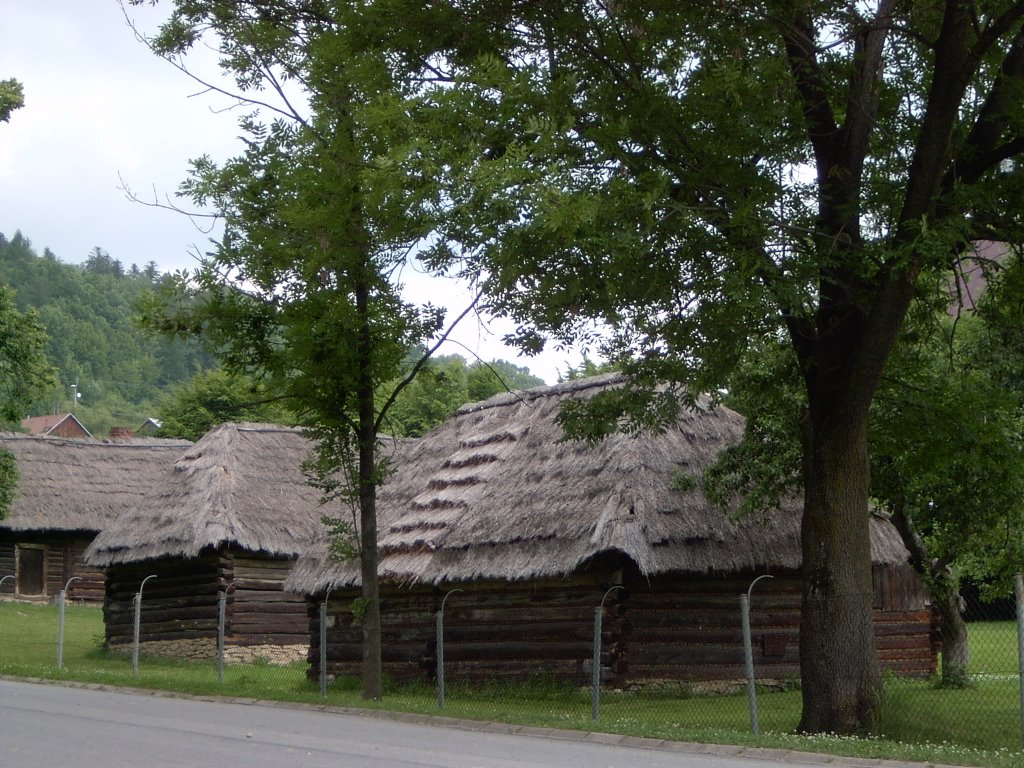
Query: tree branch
[
  {"x": 981, "y": 150},
  {"x": 382, "y": 412},
  {"x": 799, "y": 37}
]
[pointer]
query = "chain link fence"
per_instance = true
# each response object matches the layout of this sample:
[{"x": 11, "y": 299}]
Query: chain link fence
[{"x": 979, "y": 708}]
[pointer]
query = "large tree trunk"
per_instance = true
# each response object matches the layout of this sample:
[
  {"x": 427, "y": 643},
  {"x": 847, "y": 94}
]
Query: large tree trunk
[
  {"x": 953, "y": 630},
  {"x": 371, "y": 666},
  {"x": 838, "y": 661}
]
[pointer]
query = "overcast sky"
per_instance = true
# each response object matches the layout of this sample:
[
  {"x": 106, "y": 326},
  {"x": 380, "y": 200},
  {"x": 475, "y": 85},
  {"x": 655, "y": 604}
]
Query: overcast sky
[{"x": 102, "y": 112}]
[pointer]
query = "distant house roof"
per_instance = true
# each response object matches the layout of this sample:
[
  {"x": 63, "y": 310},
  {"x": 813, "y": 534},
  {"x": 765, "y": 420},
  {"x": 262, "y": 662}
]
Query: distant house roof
[
  {"x": 149, "y": 426},
  {"x": 82, "y": 485},
  {"x": 58, "y": 424}
]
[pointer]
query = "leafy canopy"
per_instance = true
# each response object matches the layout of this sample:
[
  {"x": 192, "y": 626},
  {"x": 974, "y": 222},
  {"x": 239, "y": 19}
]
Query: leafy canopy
[
  {"x": 12, "y": 97},
  {"x": 24, "y": 370},
  {"x": 210, "y": 398}
]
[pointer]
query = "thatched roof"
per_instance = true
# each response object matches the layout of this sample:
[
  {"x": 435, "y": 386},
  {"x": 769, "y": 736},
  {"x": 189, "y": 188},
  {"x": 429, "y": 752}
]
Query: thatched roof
[
  {"x": 82, "y": 485},
  {"x": 495, "y": 493},
  {"x": 240, "y": 484}
]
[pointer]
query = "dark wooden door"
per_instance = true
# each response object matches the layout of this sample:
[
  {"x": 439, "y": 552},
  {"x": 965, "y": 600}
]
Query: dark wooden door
[{"x": 30, "y": 571}]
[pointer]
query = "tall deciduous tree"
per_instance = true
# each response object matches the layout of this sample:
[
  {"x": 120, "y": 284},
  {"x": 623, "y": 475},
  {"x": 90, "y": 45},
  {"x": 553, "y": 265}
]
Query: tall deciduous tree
[
  {"x": 24, "y": 375},
  {"x": 947, "y": 456},
  {"x": 694, "y": 180},
  {"x": 321, "y": 212}
]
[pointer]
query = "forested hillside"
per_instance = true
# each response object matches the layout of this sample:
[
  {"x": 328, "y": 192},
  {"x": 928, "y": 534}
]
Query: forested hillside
[
  {"x": 125, "y": 374},
  {"x": 94, "y": 340}
]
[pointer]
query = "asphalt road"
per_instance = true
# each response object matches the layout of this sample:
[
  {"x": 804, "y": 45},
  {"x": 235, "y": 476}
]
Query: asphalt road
[{"x": 51, "y": 726}]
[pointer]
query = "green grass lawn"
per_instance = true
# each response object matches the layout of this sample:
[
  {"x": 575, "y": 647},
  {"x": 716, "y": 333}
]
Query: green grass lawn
[{"x": 978, "y": 725}]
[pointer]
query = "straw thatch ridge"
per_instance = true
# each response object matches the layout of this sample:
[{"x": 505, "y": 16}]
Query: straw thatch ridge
[
  {"x": 496, "y": 493},
  {"x": 240, "y": 484},
  {"x": 82, "y": 485}
]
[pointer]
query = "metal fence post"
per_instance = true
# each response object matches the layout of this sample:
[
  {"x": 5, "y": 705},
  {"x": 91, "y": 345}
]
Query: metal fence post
[
  {"x": 323, "y": 645},
  {"x": 1019, "y": 595},
  {"x": 61, "y": 599},
  {"x": 60, "y": 629},
  {"x": 748, "y": 654},
  {"x": 595, "y": 668},
  {"x": 138, "y": 621},
  {"x": 222, "y": 603},
  {"x": 439, "y": 628}
]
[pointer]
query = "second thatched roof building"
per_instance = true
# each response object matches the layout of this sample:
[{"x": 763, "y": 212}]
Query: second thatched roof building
[
  {"x": 533, "y": 531},
  {"x": 231, "y": 517}
]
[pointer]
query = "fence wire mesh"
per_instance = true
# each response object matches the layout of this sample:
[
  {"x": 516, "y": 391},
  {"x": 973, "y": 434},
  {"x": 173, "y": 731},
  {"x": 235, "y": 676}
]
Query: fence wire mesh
[{"x": 980, "y": 708}]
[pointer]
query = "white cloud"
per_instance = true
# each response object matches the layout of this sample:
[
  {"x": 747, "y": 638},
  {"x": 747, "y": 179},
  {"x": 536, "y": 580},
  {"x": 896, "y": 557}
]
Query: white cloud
[{"x": 100, "y": 107}]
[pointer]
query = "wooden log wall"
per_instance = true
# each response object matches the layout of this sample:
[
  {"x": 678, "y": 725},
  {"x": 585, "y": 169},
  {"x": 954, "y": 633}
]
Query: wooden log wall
[
  {"x": 181, "y": 603},
  {"x": 407, "y": 630},
  {"x": 904, "y": 624},
  {"x": 91, "y": 587},
  {"x": 519, "y": 630},
  {"x": 62, "y": 559},
  {"x": 507, "y": 631},
  {"x": 689, "y": 630},
  {"x": 259, "y": 611},
  {"x": 667, "y": 629},
  {"x": 6, "y": 562}
]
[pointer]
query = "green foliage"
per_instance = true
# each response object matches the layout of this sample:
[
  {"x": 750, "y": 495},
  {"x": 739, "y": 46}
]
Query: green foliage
[
  {"x": 90, "y": 316},
  {"x": 947, "y": 447},
  {"x": 322, "y": 210},
  {"x": 8, "y": 481},
  {"x": 344, "y": 541},
  {"x": 210, "y": 398},
  {"x": 588, "y": 368},
  {"x": 358, "y": 609},
  {"x": 444, "y": 384},
  {"x": 24, "y": 371},
  {"x": 12, "y": 97},
  {"x": 669, "y": 186},
  {"x": 956, "y": 401},
  {"x": 486, "y": 379},
  {"x": 765, "y": 466}
]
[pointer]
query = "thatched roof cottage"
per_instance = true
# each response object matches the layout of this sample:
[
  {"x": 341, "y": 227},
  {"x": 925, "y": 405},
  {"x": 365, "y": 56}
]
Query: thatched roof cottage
[
  {"x": 233, "y": 515},
  {"x": 67, "y": 491},
  {"x": 534, "y": 530}
]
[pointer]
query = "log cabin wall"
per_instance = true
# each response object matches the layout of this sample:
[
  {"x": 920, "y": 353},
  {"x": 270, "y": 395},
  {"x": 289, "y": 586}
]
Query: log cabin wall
[
  {"x": 905, "y": 627},
  {"x": 179, "y": 606},
  {"x": 263, "y": 621},
  {"x": 669, "y": 629},
  {"x": 60, "y": 557},
  {"x": 688, "y": 630},
  {"x": 6, "y": 563},
  {"x": 407, "y": 633},
  {"x": 493, "y": 631}
]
